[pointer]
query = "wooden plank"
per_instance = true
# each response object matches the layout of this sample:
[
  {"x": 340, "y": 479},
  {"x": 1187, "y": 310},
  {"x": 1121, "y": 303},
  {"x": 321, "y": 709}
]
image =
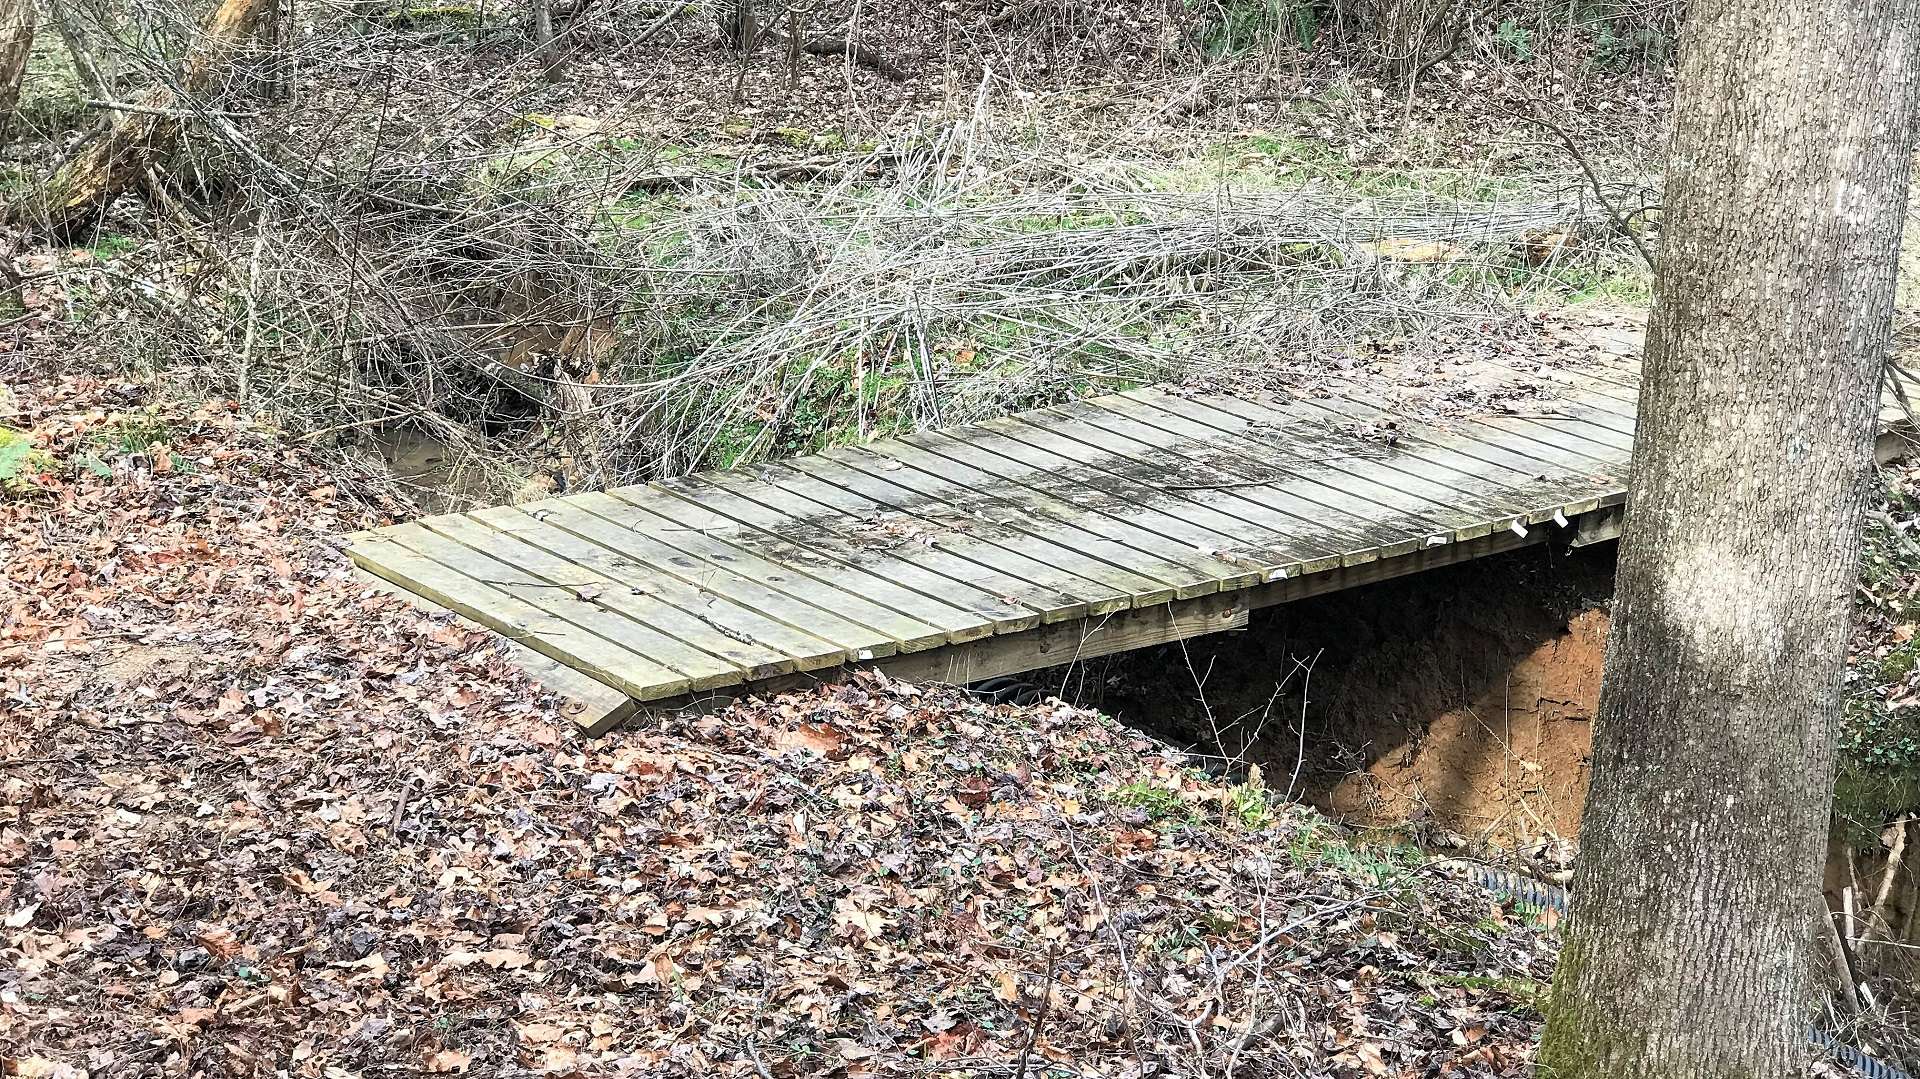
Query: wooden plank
[
  {"x": 1586, "y": 460},
  {"x": 952, "y": 552},
  {"x": 1540, "y": 445},
  {"x": 1459, "y": 516},
  {"x": 1426, "y": 465},
  {"x": 591, "y": 705},
  {"x": 1429, "y": 442},
  {"x": 1347, "y": 577},
  {"x": 1186, "y": 516},
  {"x": 783, "y": 589},
  {"x": 1030, "y": 555},
  {"x": 1599, "y": 527},
  {"x": 744, "y": 592},
  {"x": 791, "y": 534},
  {"x": 1581, "y": 417},
  {"x": 1383, "y": 533},
  {"x": 380, "y": 554},
  {"x": 1048, "y": 524},
  {"x": 566, "y": 602},
  {"x": 776, "y": 520},
  {"x": 1073, "y": 642},
  {"x": 514, "y": 539},
  {"x": 1308, "y": 537},
  {"x": 1170, "y": 559}
]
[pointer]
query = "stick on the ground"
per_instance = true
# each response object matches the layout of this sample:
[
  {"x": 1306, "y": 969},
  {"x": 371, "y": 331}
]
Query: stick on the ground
[{"x": 1040, "y": 1016}]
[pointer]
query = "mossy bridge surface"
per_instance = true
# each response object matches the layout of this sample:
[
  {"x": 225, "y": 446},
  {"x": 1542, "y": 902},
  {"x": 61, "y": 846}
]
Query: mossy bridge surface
[{"x": 1038, "y": 539}]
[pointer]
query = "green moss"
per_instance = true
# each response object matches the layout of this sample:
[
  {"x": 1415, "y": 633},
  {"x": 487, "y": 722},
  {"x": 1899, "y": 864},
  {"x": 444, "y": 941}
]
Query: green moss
[
  {"x": 1878, "y": 774},
  {"x": 51, "y": 98},
  {"x": 1527, "y": 992}
]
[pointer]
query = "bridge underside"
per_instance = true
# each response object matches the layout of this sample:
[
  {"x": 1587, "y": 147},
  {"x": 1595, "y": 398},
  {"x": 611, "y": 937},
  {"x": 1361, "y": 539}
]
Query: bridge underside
[{"x": 1063, "y": 533}]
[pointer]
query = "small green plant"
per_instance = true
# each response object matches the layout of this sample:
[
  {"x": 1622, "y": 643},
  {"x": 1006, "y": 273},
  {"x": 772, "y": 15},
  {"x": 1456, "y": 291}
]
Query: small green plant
[
  {"x": 133, "y": 432},
  {"x": 1517, "y": 39},
  {"x": 127, "y": 434},
  {"x": 21, "y": 463},
  {"x": 1250, "y": 806},
  {"x": 1159, "y": 803},
  {"x": 112, "y": 245}
]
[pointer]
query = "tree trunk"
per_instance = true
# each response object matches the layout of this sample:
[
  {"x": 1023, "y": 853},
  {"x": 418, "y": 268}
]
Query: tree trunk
[
  {"x": 16, "y": 44},
  {"x": 1691, "y": 950},
  {"x": 546, "y": 50},
  {"x": 115, "y": 155}
]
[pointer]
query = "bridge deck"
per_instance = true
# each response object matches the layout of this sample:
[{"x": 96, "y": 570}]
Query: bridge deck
[{"x": 1061, "y": 533}]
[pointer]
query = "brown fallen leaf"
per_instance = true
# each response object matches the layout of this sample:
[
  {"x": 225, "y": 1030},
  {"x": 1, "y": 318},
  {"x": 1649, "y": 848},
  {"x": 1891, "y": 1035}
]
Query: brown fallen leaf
[
  {"x": 812, "y": 737},
  {"x": 449, "y": 1060},
  {"x": 43, "y": 1068}
]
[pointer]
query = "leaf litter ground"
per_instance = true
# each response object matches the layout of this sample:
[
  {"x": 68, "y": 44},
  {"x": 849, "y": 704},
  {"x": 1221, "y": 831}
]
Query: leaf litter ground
[{"x": 256, "y": 818}]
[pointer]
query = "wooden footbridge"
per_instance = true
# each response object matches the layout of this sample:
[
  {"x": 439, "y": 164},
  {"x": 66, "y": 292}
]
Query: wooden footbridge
[{"x": 1035, "y": 540}]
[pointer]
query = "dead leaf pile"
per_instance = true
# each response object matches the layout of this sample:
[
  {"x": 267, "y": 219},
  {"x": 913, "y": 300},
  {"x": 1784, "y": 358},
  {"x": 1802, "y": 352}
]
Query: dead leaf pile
[{"x": 256, "y": 819}]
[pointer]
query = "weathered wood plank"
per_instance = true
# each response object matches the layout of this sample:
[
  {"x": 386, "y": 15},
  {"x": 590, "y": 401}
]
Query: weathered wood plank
[
  {"x": 1073, "y": 642},
  {"x": 591, "y": 705},
  {"x": 1037, "y": 557},
  {"x": 786, "y": 590},
  {"x": 1113, "y": 539},
  {"x": 1040, "y": 525},
  {"x": 1327, "y": 464},
  {"x": 1457, "y": 447},
  {"x": 724, "y": 594},
  {"x": 633, "y": 674},
  {"x": 946, "y": 545},
  {"x": 664, "y": 603},
  {"x": 1180, "y": 516},
  {"x": 1249, "y": 485},
  {"x": 578, "y": 607},
  {"x": 909, "y": 569},
  {"x": 1429, "y": 460},
  {"x": 1221, "y": 524}
]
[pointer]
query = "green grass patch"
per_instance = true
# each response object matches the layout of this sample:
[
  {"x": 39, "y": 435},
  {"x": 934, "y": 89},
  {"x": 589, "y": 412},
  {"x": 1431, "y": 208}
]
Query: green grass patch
[{"x": 1279, "y": 160}]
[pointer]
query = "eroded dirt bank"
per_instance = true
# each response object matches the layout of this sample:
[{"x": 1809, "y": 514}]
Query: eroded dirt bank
[{"x": 1457, "y": 701}]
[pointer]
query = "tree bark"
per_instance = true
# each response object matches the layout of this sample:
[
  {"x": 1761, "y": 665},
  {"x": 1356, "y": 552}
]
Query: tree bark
[
  {"x": 85, "y": 67},
  {"x": 546, "y": 50},
  {"x": 1691, "y": 951},
  {"x": 115, "y": 155},
  {"x": 16, "y": 45}
]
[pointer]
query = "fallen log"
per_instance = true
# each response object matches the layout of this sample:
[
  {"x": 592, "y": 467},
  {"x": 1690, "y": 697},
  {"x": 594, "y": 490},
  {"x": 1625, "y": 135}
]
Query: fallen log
[{"x": 118, "y": 152}]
